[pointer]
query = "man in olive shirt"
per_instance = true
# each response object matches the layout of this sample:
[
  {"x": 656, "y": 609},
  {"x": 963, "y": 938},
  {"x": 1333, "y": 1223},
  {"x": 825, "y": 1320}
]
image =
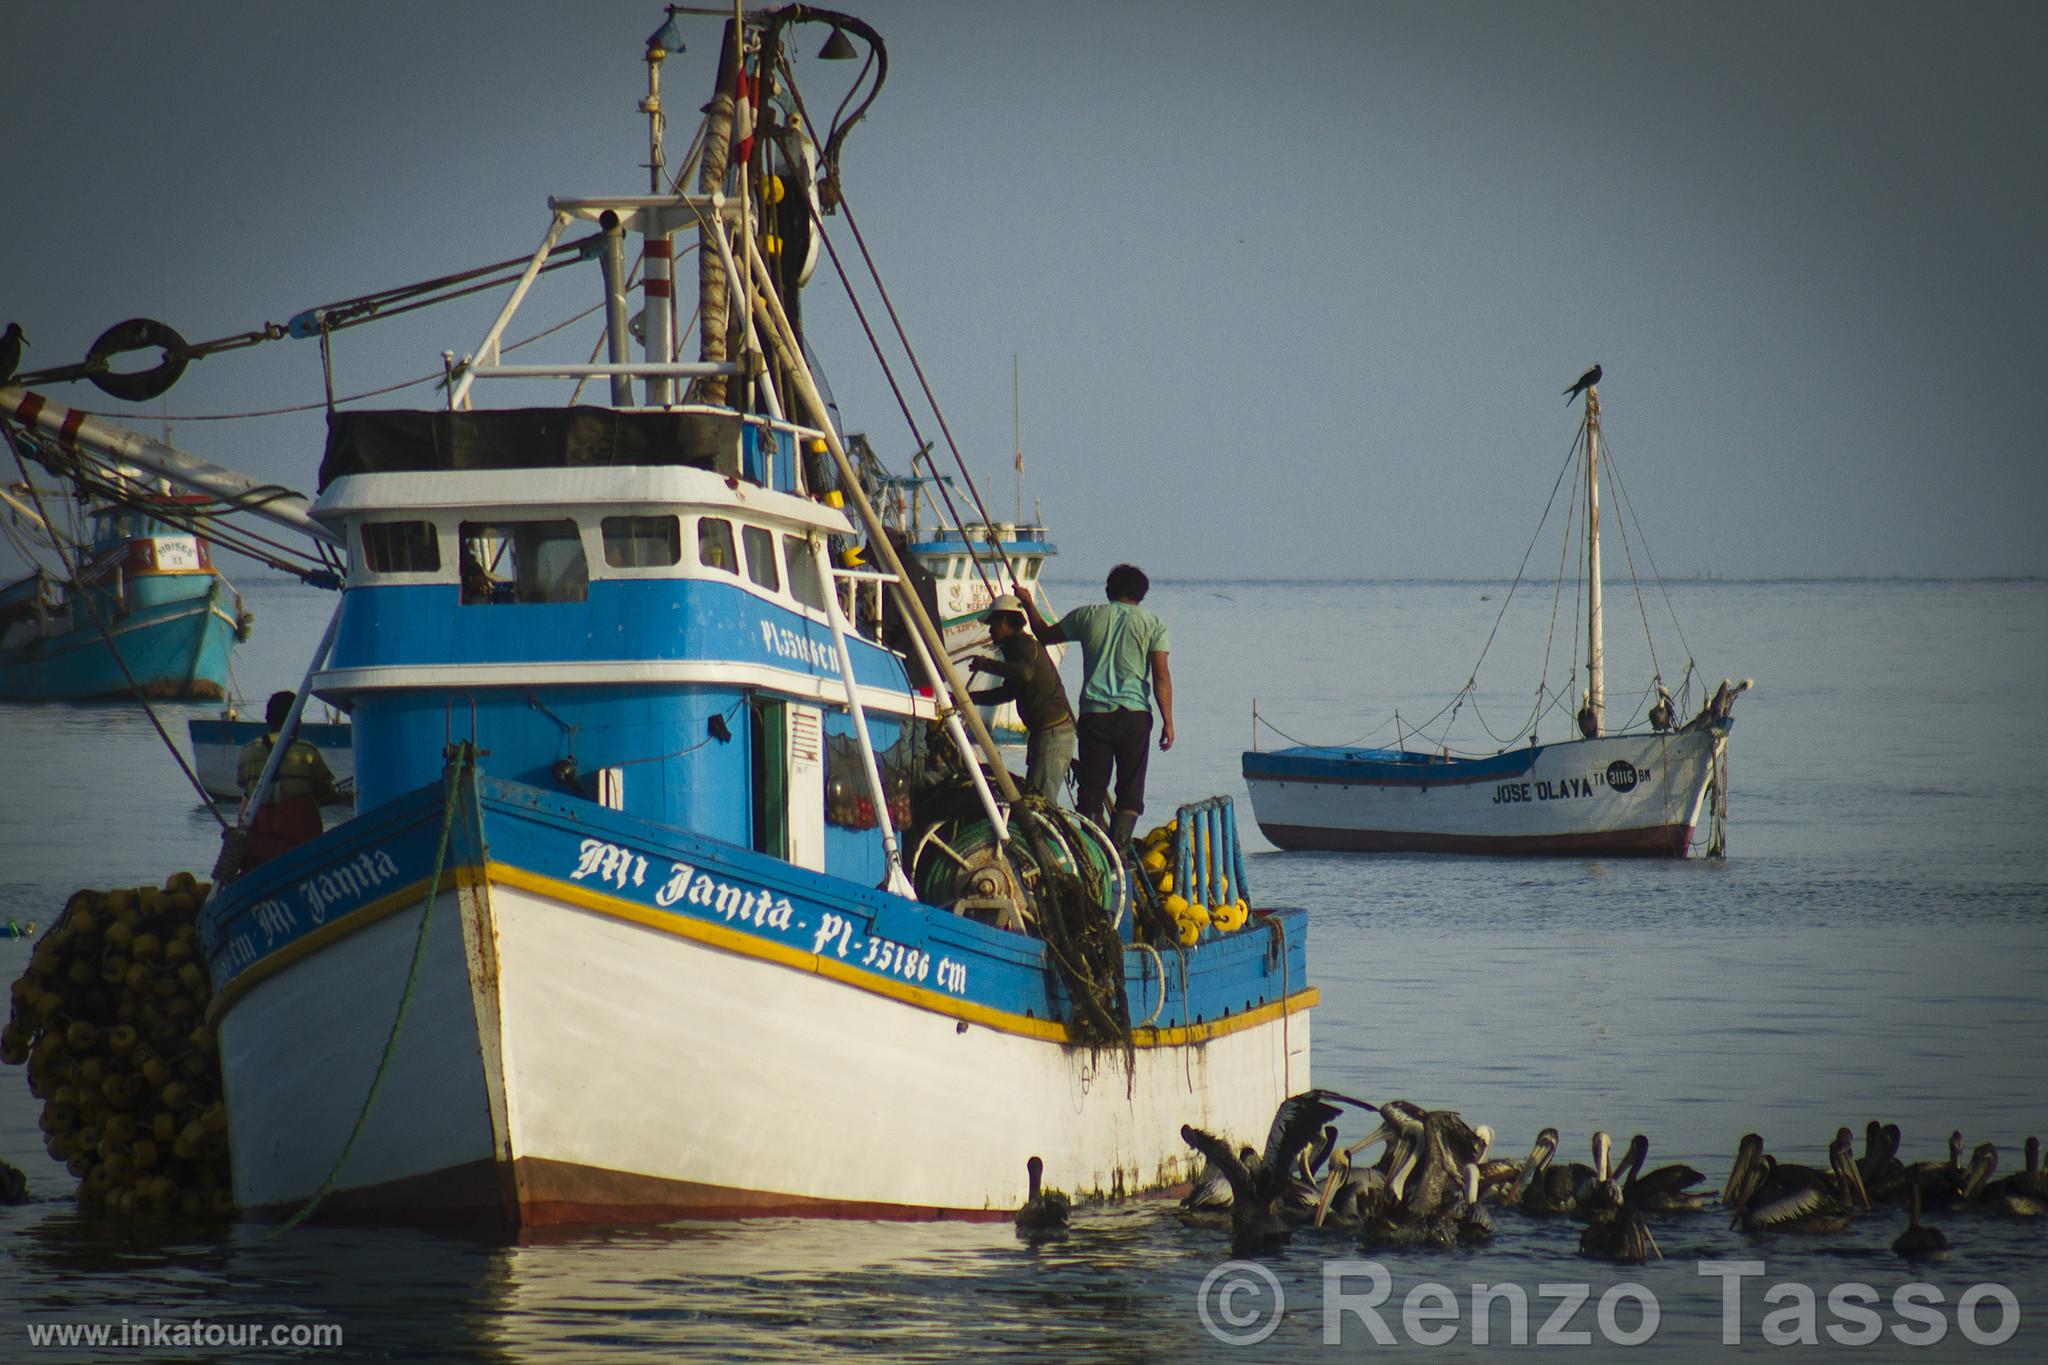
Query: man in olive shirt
[
  {"x": 1123, "y": 663},
  {"x": 290, "y": 815},
  {"x": 1033, "y": 683}
]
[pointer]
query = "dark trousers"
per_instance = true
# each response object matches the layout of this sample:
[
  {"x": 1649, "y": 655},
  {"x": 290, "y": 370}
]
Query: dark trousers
[{"x": 1119, "y": 739}]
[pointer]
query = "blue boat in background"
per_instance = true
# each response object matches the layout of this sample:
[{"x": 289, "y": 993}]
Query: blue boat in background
[{"x": 144, "y": 588}]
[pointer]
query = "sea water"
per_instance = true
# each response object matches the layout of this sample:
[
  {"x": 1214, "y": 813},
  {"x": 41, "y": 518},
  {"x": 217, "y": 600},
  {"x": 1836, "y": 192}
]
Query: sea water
[{"x": 1874, "y": 945}]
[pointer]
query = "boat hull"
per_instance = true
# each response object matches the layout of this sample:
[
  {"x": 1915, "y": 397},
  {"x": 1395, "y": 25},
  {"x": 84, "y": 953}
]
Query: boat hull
[
  {"x": 575, "y": 1050},
  {"x": 1616, "y": 796},
  {"x": 176, "y": 638}
]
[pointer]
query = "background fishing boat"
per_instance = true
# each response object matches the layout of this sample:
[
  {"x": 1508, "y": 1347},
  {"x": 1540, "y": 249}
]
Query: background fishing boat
[
  {"x": 972, "y": 562},
  {"x": 133, "y": 603},
  {"x": 1633, "y": 789}
]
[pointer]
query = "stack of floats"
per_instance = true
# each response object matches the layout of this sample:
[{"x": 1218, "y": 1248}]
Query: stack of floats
[{"x": 110, "y": 1019}]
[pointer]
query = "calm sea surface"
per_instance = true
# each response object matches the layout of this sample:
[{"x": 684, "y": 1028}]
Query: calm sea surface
[{"x": 1875, "y": 945}]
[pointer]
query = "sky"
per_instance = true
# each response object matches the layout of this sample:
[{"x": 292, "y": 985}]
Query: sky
[{"x": 1293, "y": 289}]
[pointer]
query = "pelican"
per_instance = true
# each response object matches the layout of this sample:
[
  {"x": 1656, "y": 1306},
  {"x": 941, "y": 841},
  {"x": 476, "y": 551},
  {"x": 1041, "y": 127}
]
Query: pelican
[
  {"x": 1475, "y": 1225},
  {"x": 1790, "y": 1198},
  {"x": 1211, "y": 1190},
  {"x": 1620, "y": 1235},
  {"x": 1394, "y": 1222},
  {"x": 1043, "y": 1212},
  {"x": 1983, "y": 1165},
  {"x": 1920, "y": 1242},
  {"x": 1497, "y": 1178},
  {"x": 1597, "y": 1194},
  {"x": 1668, "y": 1189},
  {"x": 1545, "y": 1190},
  {"x": 1935, "y": 1179},
  {"x": 1351, "y": 1194},
  {"x": 1442, "y": 1143},
  {"x": 2023, "y": 1194},
  {"x": 1257, "y": 1185},
  {"x": 1884, "y": 1175}
]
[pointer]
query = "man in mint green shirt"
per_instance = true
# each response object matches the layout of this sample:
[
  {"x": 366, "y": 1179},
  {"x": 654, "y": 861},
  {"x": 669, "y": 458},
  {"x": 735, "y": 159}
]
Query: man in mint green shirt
[{"x": 1123, "y": 666}]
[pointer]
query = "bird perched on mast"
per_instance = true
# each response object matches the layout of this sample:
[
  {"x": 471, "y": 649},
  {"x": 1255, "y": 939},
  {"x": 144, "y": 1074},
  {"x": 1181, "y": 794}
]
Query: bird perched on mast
[
  {"x": 1586, "y": 381},
  {"x": 11, "y": 342}
]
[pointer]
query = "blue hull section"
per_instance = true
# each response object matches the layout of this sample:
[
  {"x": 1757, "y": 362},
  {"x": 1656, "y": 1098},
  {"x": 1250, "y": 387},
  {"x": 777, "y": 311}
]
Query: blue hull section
[
  {"x": 176, "y": 647},
  {"x": 742, "y": 901}
]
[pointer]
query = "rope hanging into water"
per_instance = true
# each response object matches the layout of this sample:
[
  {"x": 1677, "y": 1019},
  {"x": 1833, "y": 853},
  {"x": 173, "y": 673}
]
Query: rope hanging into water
[
  {"x": 461, "y": 762},
  {"x": 84, "y": 594}
]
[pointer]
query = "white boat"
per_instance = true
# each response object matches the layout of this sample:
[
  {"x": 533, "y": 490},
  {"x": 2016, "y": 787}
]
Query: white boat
[
  {"x": 1632, "y": 792},
  {"x": 217, "y": 745},
  {"x": 661, "y": 899}
]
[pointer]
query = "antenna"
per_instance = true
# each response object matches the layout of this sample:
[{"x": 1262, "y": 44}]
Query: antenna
[{"x": 1017, "y": 434}]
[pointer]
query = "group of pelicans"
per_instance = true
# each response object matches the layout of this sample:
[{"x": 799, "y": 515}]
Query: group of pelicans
[{"x": 1433, "y": 1182}]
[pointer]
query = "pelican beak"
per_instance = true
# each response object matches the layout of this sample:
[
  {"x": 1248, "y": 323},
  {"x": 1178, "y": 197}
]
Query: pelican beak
[
  {"x": 1339, "y": 1169},
  {"x": 1850, "y": 1175},
  {"x": 1379, "y": 1134},
  {"x": 1745, "y": 1157},
  {"x": 1982, "y": 1163}
]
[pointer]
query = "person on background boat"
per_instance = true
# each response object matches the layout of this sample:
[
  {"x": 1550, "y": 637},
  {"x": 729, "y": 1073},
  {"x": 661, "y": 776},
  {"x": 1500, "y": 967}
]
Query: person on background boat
[
  {"x": 1123, "y": 667},
  {"x": 476, "y": 580},
  {"x": 290, "y": 815},
  {"x": 896, "y": 628},
  {"x": 1030, "y": 680}
]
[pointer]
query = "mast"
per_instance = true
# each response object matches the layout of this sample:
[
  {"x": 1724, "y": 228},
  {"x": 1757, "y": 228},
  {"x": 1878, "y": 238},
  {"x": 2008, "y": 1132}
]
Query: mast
[
  {"x": 1596, "y": 691},
  {"x": 1017, "y": 435}
]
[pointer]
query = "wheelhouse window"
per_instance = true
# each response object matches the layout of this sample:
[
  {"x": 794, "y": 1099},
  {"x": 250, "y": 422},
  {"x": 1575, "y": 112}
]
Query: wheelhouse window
[
  {"x": 803, "y": 572},
  {"x": 401, "y": 547},
  {"x": 523, "y": 561},
  {"x": 714, "y": 545},
  {"x": 642, "y": 542},
  {"x": 761, "y": 557}
]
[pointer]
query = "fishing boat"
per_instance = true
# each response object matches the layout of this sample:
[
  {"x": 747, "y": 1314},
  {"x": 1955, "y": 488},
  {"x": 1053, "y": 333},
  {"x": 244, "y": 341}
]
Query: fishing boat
[
  {"x": 138, "y": 606},
  {"x": 670, "y": 892},
  {"x": 1636, "y": 790},
  {"x": 972, "y": 562}
]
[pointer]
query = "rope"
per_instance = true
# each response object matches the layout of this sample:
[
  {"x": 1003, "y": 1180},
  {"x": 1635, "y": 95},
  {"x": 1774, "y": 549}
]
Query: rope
[
  {"x": 84, "y": 594},
  {"x": 460, "y": 763},
  {"x": 1160, "y": 963}
]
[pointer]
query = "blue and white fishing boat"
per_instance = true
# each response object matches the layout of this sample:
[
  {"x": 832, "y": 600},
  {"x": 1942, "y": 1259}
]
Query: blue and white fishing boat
[
  {"x": 143, "y": 592},
  {"x": 670, "y": 893},
  {"x": 1635, "y": 790}
]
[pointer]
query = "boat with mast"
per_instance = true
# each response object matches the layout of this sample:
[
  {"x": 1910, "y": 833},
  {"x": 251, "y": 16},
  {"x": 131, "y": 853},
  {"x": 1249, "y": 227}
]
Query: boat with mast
[
  {"x": 670, "y": 892},
  {"x": 1634, "y": 790}
]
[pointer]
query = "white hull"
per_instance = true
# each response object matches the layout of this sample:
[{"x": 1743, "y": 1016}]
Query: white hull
[
  {"x": 574, "y": 1065},
  {"x": 1619, "y": 794}
]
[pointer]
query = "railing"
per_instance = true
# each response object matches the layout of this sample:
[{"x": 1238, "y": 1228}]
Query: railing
[{"x": 1210, "y": 865}]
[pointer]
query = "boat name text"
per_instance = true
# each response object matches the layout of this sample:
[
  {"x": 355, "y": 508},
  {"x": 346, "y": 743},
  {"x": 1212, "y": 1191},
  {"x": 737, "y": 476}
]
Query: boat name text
[
  {"x": 1621, "y": 776},
  {"x": 790, "y": 645}
]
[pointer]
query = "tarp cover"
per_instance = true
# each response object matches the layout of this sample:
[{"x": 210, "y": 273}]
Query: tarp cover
[{"x": 525, "y": 438}]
